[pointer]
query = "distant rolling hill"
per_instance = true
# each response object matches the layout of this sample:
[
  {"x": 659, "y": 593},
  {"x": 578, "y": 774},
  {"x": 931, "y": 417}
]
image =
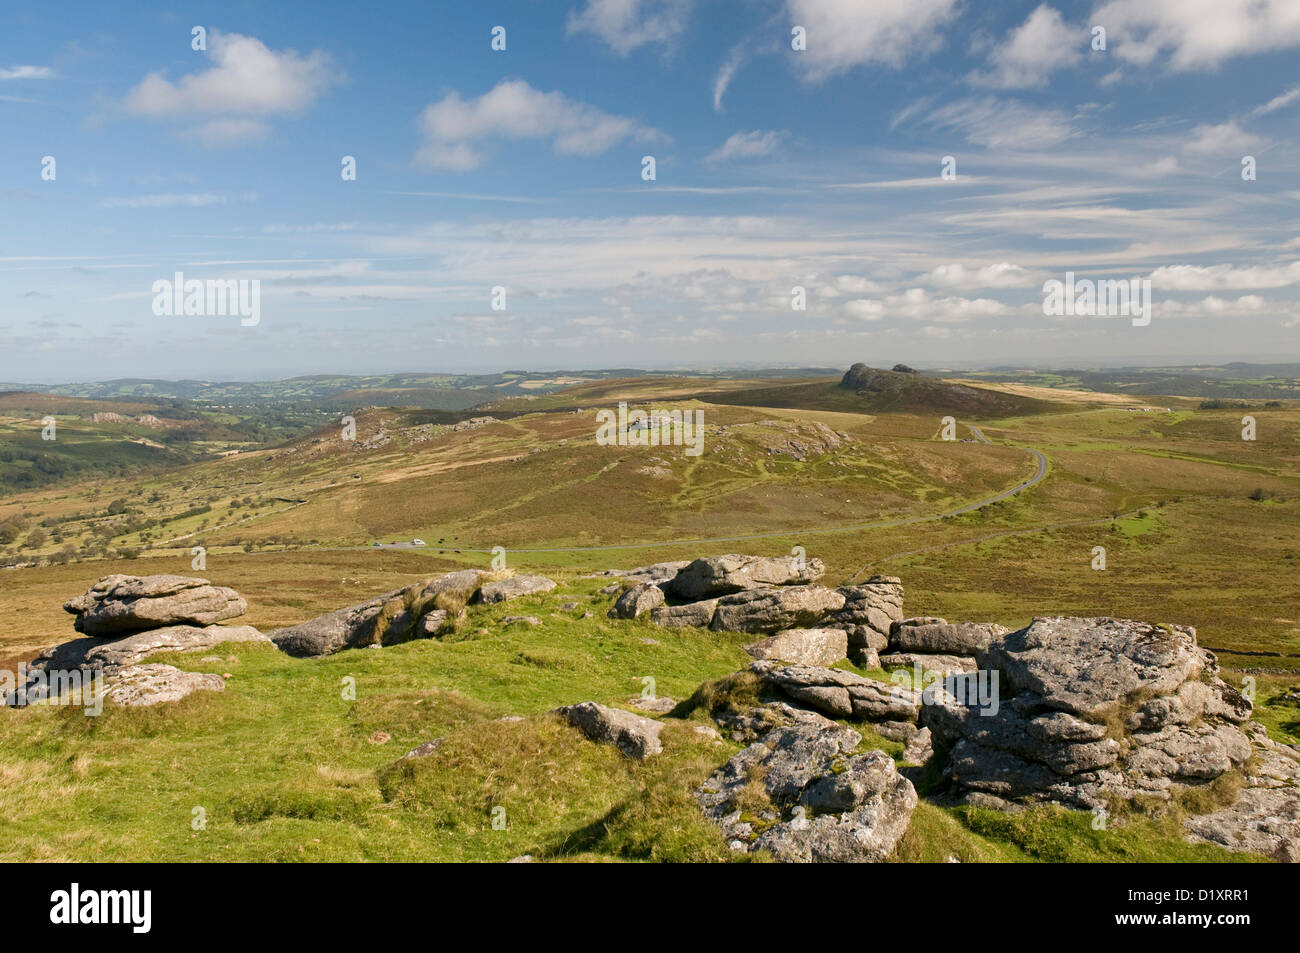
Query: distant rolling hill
[{"x": 865, "y": 389}]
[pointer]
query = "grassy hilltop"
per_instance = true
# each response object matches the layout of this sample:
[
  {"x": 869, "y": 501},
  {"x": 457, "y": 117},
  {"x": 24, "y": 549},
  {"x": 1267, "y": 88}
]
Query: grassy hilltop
[{"x": 1199, "y": 526}]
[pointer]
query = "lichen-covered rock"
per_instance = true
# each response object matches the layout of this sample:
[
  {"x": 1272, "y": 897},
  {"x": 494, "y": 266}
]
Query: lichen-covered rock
[
  {"x": 654, "y": 574},
  {"x": 636, "y": 601},
  {"x": 433, "y": 624},
  {"x": 942, "y": 638},
  {"x": 713, "y": 576},
  {"x": 90, "y": 653},
  {"x": 774, "y": 609},
  {"x": 502, "y": 590},
  {"x": 117, "y": 605},
  {"x": 841, "y": 694},
  {"x": 1089, "y": 710},
  {"x": 803, "y": 795},
  {"x": 943, "y": 664},
  {"x": 804, "y": 646},
  {"x": 656, "y": 704},
  {"x": 747, "y": 726},
  {"x": 868, "y": 612},
  {"x": 698, "y": 614},
  {"x": 391, "y": 619},
  {"x": 1089, "y": 666},
  {"x": 139, "y": 686},
  {"x": 635, "y": 736},
  {"x": 1265, "y": 818}
]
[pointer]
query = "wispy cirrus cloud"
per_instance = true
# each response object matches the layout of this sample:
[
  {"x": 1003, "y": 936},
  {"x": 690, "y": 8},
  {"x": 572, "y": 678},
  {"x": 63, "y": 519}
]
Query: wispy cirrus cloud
[
  {"x": 747, "y": 145},
  {"x": 26, "y": 72},
  {"x": 165, "y": 200},
  {"x": 998, "y": 123}
]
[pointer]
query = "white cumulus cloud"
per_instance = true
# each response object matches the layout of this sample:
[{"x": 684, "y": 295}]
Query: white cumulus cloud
[
  {"x": 513, "y": 109},
  {"x": 843, "y": 34},
  {"x": 628, "y": 24},
  {"x": 1040, "y": 45},
  {"x": 1197, "y": 34},
  {"x": 247, "y": 78}
]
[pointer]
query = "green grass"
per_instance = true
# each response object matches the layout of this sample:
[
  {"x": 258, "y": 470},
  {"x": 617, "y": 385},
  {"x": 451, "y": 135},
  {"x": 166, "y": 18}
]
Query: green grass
[{"x": 286, "y": 768}]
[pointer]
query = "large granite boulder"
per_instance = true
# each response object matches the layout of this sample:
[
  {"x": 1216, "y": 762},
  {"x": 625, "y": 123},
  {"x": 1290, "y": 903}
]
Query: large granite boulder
[
  {"x": 1088, "y": 667},
  {"x": 1087, "y": 710},
  {"x": 802, "y": 794},
  {"x": 634, "y": 735},
  {"x": 774, "y": 609},
  {"x": 117, "y": 604},
  {"x": 721, "y": 575},
  {"x": 637, "y": 601}
]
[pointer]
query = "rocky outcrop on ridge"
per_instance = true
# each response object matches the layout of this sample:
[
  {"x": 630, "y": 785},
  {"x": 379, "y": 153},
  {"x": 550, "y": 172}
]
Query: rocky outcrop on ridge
[
  {"x": 128, "y": 619},
  {"x": 1084, "y": 712},
  {"x": 1091, "y": 710},
  {"x": 425, "y": 609},
  {"x": 722, "y": 575},
  {"x": 119, "y": 604}
]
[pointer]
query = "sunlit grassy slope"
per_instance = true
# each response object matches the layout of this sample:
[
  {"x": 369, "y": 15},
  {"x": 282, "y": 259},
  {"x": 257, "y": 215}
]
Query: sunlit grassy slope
[{"x": 1199, "y": 527}]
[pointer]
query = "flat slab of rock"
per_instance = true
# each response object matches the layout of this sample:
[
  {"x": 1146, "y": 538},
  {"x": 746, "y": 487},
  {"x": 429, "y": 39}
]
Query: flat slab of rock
[
  {"x": 774, "y": 609},
  {"x": 840, "y": 694},
  {"x": 117, "y": 605},
  {"x": 803, "y": 646},
  {"x": 139, "y": 686},
  {"x": 720, "y": 575},
  {"x": 653, "y": 574},
  {"x": 697, "y": 614},
  {"x": 802, "y": 794},
  {"x": 659, "y": 705},
  {"x": 635, "y": 736},
  {"x": 89, "y": 653},
  {"x": 943, "y": 664},
  {"x": 943, "y": 638},
  {"x": 503, "y": 590}
]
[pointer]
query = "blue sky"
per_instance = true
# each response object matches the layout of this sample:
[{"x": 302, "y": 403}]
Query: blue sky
[{"x": 523, "y": 169}]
